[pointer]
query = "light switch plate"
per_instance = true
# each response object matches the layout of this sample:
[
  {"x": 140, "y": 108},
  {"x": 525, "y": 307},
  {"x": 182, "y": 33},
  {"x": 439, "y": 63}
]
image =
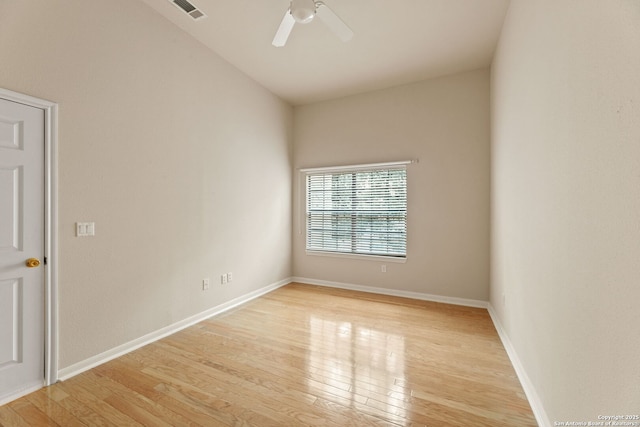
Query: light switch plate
[{"x": 85, "y": 229}]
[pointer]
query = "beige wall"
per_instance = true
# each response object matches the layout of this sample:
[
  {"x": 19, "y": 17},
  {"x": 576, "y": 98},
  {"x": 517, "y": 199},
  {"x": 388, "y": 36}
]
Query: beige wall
[
  {"x": 566, "y": 201},
  {"x": 182, "y": 162},
  {"x": 445, "y": 124}
]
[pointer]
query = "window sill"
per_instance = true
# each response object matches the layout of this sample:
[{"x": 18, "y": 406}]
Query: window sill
[{"x": 359, "y": 256}]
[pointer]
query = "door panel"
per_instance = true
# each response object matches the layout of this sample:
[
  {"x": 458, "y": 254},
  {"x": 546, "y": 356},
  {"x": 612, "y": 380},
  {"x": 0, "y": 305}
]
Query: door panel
[
  {"x": 10, "y": 135},
  {"x": 21, "y": 237},
  {"x": 10, "y": 183},
  {"x": 11, "y": 319}
]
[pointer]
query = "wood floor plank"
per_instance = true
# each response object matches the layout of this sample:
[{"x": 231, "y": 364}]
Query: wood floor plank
[
  {"x": 31, "y": 414},
  {"x": 139, "y": 409},
  {"x": 268, "y": 402},
  {"x": 53, "y": 410},
  {"x": 83, "y": 396},
  {"x": 9, "y": 418},
  {"x": 262, "y": 381},
  {"x": 149, "y": 407},
  {"x": 301, "y": 356}
]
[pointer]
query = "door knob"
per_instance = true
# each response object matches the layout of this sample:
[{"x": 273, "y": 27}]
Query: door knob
[{"x": 32, "y": 262}]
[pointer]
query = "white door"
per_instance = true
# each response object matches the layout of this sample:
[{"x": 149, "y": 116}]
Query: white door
[{"x": 21, "y": 238}]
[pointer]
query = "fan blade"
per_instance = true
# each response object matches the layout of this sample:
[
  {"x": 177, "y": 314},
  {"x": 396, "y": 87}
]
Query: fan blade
[
  {"x": 331, "y": 20},
  {"x": 284, "y": 30}
]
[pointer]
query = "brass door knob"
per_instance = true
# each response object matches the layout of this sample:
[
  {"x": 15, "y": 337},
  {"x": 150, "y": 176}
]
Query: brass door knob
[{"x": 33, "y": 262}]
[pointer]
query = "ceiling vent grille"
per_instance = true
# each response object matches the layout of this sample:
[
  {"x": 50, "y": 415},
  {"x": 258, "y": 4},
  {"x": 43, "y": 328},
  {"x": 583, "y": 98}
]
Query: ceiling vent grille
[{"x": 189, "y": 8}]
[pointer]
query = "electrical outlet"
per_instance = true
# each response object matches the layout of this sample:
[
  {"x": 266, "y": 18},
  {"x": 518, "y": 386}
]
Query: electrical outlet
[
  {"x": 383, "y": 268},
  {"x": 205, "y": 284},
  {"x": 224, "y": 279},
  {"x": 229, "y": 277}
]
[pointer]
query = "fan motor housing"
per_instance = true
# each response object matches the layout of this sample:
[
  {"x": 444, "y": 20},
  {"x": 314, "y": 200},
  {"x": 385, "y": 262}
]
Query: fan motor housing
[{"x": 303, "y": 11}]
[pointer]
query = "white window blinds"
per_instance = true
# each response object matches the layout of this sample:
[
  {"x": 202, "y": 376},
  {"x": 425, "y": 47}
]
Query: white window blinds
[{"x": 358, "y": 211}]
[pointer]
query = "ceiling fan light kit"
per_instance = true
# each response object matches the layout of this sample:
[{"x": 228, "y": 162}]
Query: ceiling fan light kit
[{"x": 303, "y": 12}]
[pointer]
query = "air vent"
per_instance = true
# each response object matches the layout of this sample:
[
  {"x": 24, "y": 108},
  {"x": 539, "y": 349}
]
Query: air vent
[{"x": 189, "y": 8}]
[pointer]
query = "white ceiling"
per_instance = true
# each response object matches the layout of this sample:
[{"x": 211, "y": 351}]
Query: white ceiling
[{"x": 396, "y": 42}]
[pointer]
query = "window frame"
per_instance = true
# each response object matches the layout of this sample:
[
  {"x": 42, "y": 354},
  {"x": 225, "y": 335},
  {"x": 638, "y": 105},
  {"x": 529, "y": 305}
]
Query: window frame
[{"x": 353, "y": 169}]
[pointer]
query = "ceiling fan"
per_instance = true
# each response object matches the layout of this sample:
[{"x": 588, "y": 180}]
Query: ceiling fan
[{"x": 303, "y": 12}]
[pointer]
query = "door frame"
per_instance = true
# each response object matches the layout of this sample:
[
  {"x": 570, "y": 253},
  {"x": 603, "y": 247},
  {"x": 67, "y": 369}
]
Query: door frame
[{"x": 50, "y": 227}]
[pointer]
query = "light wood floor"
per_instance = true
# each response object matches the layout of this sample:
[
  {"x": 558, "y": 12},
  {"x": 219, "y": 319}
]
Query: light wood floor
[{"x": 301, "y": 355}]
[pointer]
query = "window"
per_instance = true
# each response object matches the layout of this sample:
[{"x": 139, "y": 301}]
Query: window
[{"x": 358, "y": 210}]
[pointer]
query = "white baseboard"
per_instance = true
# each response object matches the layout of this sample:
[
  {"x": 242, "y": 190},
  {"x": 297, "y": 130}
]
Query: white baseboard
[
  {"x": 527, "y": 385},
  {"x": 99, "y": 359},
  {"x": 394, "y": 292}
]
